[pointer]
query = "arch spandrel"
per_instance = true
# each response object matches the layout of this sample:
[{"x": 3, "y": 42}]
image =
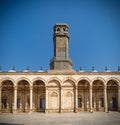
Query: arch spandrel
[{"x": 7, "y": 79}]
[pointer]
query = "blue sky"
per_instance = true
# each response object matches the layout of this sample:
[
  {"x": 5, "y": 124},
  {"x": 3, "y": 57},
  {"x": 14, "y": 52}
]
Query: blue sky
[{"x": 26, "y": 28}]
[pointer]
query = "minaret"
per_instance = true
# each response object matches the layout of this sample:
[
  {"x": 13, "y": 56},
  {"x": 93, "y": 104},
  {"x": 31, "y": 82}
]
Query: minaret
[{"x": 61, "y": 60}]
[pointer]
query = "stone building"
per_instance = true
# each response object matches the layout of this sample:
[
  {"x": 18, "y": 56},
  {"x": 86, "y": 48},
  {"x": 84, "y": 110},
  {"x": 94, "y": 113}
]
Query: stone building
[{"x": 60, "y": 89}]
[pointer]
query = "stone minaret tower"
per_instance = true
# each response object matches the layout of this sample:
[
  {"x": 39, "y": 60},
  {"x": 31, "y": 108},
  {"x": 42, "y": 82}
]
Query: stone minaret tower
[{"x": 61, "y": 60}]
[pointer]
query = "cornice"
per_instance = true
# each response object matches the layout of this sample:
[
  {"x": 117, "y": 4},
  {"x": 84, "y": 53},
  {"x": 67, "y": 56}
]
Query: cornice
[{"x": 55, "y": 72}]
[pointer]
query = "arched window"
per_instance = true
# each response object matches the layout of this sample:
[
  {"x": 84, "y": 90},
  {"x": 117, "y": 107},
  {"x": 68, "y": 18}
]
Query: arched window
[
  {"x": 64, "y": 29},
  {"x": 58, "y": 29}
]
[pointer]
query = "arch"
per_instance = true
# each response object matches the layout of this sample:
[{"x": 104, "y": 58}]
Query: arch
[
  {"x": 83, "y": 97},
  {"x": 68, "y": 94},
  {"x": 64, "y": 29},
  {"x": 58, "y": 29},
  {"x": 38, "y": 83},
  {"x": 39, "y": 90},
  {"x": 70, "y": 80},
  {"x": 68, "y": 99},
  {"x": 99, "y": 79},
  {"x": 23, "y": 78},
  {"x": 98, "y": 84},
  {"x": 23, "y": 90},
  {"x": 54, "y": 94},
  {"x": 7, "y": 83},
  {"x": 54, "y": 83},
  {"x": 85, "y": 83},
  {"x": 112, "y": 94},
  {"x": 39, "y": 79},
  {"x": 84, "y": 78},
  {"x": 6, "y": 79},
  {"x": 54, "y": 79},
  {"x": 113, "y": 79},
  {"x": 69, "y": 83},
  {"x": 7, "y": 93},
  {"x": 54, "y": 100}
]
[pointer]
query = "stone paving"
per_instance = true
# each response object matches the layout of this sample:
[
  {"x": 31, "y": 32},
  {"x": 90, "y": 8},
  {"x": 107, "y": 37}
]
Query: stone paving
[{"x": 82, "y": 118}]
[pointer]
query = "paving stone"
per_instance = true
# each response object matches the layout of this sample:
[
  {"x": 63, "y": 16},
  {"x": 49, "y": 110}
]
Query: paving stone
[{"x": 82, "y": 118}]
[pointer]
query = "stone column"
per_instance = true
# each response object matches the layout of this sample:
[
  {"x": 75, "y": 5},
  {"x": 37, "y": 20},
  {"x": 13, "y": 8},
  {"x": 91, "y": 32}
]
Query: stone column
[
  {"x": 60, "y": 100},
  {"x": 119, "y": 98},
  {"x": 0, "y": 98},
  {"x": 15, "y": 100},
  {"x": 91, "y": 109},
  {"x": 105, "y": 99},
  {"x": 46, "y": 101},
  {"x": 31, "y": 99},
  {"x": 76, "y": 99}
]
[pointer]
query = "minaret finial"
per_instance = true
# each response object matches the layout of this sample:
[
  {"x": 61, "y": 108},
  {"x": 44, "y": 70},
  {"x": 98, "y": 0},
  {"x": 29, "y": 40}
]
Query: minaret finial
[
  {"x": 40, "y": 67},
  {"x": 80, "y": 68},
  {"x": 106, "y": 68},
  {"x": 118, "y": 68},
  {"x": 13, "y": 68},
  {"x": 93, "y": 68},
  {"x": 0, "y": 69},
  {"x": 27, "y": 68}
]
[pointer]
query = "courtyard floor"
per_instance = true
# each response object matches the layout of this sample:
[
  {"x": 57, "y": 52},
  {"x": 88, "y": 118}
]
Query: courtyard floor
[{"x": 82, "y": 118}]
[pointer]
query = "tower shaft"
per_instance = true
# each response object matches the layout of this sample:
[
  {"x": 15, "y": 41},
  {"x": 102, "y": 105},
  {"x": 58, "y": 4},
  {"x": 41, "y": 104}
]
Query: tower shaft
[{"x": 61, "y": 60}]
